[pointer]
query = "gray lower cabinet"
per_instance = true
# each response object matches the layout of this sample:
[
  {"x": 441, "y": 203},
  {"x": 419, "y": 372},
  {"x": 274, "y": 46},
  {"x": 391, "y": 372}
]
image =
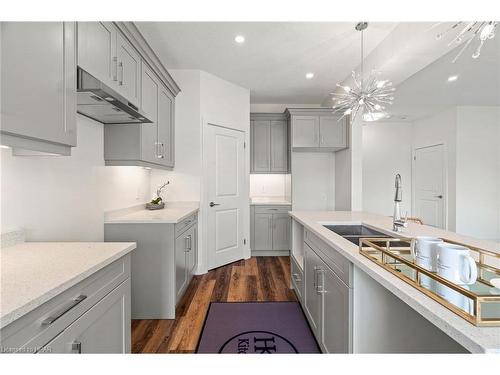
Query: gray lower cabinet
[
  {"x": 105, "y": 328},
  {"x": 38, "y": 106},
  {"x": 317, "y": 129},
  {"x": 327, "y": 302},
  {"x": 270, "y": 230},
  {"x": 92, "y": 316},
  {"x": 269, "y": 151},
  {"x": 162, "y": 264}
]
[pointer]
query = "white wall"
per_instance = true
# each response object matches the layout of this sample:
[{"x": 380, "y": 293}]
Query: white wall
[
  {"x": 269, "y": 185},
  {"x": 386, "y": 152},
  {"x": 63, "y": 198},
  {"x": 478, "y": 172}
]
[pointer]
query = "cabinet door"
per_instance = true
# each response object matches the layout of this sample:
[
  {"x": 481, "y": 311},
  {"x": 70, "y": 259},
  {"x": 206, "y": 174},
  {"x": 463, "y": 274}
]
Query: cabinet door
[
  {"x": 128, "y": 70},
  {"x": 279, "y": 148},
  {"x": 261, "y": 138},
  {"x": 104, "y": 328},
  {"x": 305, "y": 131},
  {"x": 192, "y": 246},
  {"x": 149, "y": 104},
  {"x": 181, "y": 274},
  {"x": 335, "y": 312},
  {"x": 333, "y": 133},
  {"x": 281, "y": 232},
  {"x": 38, "y": 75},
  {"x": 312, "y": 298},
  {"x": 263, "y": 233},
  {"x": 97, "y": 50},
  {"x": 166, "y": 127}
]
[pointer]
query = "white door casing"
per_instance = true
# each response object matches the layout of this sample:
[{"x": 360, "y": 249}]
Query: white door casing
[
  {"x": 430, "y": 185},
  {"x": 225, "y": 163}
]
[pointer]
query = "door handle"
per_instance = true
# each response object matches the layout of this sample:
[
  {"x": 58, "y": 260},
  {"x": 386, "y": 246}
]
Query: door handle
[
  {"x": 187, "y": 244},
  {"x": 212, "y": 204},
  {"x": 438, "y": 196}
]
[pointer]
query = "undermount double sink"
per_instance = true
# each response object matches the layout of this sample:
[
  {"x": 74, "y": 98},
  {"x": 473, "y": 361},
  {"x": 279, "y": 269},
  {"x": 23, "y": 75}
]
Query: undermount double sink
[{"x": 355, "y": 233}]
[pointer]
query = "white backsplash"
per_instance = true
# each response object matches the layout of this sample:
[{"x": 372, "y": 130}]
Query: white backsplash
[{"x": 269, "y": 185}]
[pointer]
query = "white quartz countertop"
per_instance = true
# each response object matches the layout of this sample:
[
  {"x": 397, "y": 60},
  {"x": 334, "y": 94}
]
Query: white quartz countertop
[
  {"x": 282, "y": 201},
  {"x": 173, "y": 213},
  {"x": 32, "y": 273},
  {"x": 474, "y": 339}
]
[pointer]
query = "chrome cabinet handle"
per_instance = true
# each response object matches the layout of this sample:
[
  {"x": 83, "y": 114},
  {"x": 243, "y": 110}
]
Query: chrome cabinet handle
[
  {"x": 438, "y": 196},
  {"x": 315, "y": 281},
  {"x": 320, "y": 289},
  {"x": 212, "y": 204},
  {"x": 188, "y": 243},
  {"x": 64, "y": 310},
  {"x": 76, "y": 347},
  {"x": 162, "y": 148},
  {"x": 296, "y": 277},
  {"x": 115, "y": 68},
  {"x": 157, "y": 150},
  {"x": 120, "y": 81}
]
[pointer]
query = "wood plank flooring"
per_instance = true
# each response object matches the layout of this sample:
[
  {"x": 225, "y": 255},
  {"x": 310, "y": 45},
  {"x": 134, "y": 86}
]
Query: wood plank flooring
[{"x": 255, "y": 279}]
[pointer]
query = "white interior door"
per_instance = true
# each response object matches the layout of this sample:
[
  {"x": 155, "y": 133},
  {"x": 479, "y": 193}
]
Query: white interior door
[
  {"x": 226, "y": 180},
  {"x": 430, "y": 185}
]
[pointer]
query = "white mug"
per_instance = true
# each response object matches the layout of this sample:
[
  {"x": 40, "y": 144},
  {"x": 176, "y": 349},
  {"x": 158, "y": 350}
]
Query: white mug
[
  {"x": 456, "y": 298},
  {"x": 455, "y": 263},
  {"x": 423, "y": 250}
]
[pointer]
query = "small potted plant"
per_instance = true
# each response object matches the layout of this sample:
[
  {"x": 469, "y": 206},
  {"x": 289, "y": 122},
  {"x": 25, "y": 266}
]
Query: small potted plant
[{"x": 157, "y": 203}]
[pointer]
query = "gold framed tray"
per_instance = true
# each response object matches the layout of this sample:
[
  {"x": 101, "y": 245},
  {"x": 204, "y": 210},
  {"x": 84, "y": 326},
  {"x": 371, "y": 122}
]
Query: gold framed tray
[{"x": 478, "y": 303}]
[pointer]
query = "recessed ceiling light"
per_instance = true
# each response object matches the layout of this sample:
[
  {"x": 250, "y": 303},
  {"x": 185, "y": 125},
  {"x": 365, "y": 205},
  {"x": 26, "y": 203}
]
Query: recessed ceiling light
[
  {"x": 452, "y": 78},
  {"x": 309, "y": 75},
  {"x": 239, "y": 39}
]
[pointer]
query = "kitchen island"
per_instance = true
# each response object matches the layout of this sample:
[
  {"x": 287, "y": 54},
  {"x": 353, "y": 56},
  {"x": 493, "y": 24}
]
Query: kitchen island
[{"x": 378, "y": 321}]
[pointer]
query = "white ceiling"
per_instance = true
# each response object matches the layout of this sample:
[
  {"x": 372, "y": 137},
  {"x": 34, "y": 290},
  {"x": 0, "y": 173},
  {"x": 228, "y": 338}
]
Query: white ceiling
[
  {"x": 275, "y": 57},
  {"x": 428, "y": 91}
]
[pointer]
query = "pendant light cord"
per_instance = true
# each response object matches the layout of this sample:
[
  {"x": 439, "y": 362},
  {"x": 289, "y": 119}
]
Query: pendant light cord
[{"x": 362, "y": 72}]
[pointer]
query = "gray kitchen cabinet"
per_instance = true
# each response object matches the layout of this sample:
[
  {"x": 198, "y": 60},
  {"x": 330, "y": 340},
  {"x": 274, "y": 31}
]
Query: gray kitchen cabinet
[
  {"x": 104, "y": 328},
  {"x": 128, "y": 70},
  {"x": 97, "y": 50},
  {"x": 263, "y": 237},
  {"x": 38, "y": 106},
  {"x": 281, "y": 231},
  {"x": 305, "y": 131},
  {"x": 162, "y": 265},
  {"x": 261, "y": 143},
  {"x": 327, "y": 298},
  {"x": 335, "y": 310},
  {"x": 269, "y": 150},
  {"x": 150, "y": 144},
  {"x": 270, "y": 230},
  {"x": 312, "y": 299},
  {"x": 94, "y": 314},
  {"x": 317, "y": 129},
  {"x": 333, "y": 133}
]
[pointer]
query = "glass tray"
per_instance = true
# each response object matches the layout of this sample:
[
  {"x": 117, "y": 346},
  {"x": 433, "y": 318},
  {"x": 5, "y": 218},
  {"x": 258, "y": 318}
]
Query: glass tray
[{"x": 478, "y": 303}]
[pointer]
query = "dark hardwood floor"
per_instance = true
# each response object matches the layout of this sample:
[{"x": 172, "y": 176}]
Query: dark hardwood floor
[{"x": 255, "y": 279}]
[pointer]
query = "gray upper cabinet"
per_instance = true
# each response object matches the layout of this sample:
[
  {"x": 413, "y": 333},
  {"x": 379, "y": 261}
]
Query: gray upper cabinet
[
  {"x": 317, "y": 129},
  {"x": 269, "y": 151},
  {"x": 128, "y": 70},
  {"x": 141, "y": 78},
  {"x": 97, "y": 50},
  {"x": 38, "y": 106}
]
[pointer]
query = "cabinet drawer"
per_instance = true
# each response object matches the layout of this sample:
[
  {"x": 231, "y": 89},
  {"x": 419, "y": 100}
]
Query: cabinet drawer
[
  {"x": 272, "y": 209},
  {"x": 186, "y": 223},
  {"x": 340, "y": 265},
  {"x": 35, "y": 329},
  {"x": 297, "y": 277}
]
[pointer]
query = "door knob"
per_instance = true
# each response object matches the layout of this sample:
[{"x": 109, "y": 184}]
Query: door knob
[{"x": 214, "y": 204}]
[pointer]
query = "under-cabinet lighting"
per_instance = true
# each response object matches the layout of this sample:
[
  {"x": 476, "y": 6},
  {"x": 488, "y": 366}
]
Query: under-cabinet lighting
[
  {"x": 452, "y": 78},
  {"x": 3, "y": 146}
]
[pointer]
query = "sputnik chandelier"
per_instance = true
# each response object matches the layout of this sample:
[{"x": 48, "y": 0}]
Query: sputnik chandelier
[
  {"x": 370, "y": 95},
  {"x": 468, "y": 32}
]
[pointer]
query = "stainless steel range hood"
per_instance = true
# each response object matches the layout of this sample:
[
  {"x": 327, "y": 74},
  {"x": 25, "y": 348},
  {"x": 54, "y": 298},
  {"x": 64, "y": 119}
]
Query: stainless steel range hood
[{"x": 101, "y": 103}]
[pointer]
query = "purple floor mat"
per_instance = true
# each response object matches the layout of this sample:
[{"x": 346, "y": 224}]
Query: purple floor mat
[{"x": 256, "y": 327}]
